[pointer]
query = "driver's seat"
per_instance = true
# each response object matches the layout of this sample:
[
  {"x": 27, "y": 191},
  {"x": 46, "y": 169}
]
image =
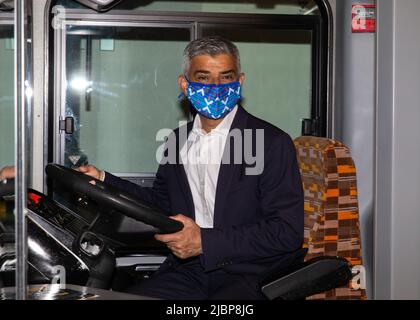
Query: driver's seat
[
  {"x": 331, "y": 207},
  {"x": 332, "y": 235}
]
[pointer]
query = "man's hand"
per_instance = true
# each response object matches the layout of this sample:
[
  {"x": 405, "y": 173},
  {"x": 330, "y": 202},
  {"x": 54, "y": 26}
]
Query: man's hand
[
  {"x": 7, "y": 173},
  {"x": 90, "y": 171},
  {"x": 185, "y": 243}
]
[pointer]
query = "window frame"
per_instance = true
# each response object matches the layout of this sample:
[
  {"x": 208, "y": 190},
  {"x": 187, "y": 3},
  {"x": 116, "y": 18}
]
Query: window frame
[
  {"x": 59, "y": 99},
  {"x": 7, "y": 18},
  {"x": 318, "y": 24}
]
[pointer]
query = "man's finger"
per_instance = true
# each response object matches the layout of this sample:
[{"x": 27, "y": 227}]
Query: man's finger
[
  {"x": 179, "y": 217},
  {"x": 166, "y": 237}
]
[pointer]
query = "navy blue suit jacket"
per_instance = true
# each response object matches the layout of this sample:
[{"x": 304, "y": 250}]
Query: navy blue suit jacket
[{"x": 258, "y": 219}]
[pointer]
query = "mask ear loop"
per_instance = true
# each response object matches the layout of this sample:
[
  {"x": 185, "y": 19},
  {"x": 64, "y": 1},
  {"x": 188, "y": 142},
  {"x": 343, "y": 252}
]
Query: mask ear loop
[{"x": 240, "y": 90}]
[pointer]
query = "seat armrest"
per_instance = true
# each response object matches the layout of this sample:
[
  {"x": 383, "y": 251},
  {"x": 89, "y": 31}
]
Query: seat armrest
[{"x": 311, "y": 277}]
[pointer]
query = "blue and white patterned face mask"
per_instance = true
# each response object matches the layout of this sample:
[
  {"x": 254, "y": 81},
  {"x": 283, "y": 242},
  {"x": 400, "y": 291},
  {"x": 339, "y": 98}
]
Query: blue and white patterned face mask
[{"x": 214, "y": 101}]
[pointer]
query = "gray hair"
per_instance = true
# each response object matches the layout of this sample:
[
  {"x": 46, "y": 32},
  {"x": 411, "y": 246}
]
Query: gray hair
[{"x": 212, "y": 46}]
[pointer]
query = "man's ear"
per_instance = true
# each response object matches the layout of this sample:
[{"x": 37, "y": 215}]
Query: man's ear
[
  {"x": 241, "y": 78},
  {"x": 183, "y": 84}
]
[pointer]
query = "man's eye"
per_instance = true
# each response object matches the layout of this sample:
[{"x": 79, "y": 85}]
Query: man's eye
[
  {"x": 202, "y": 78},
  {"x": 228, "y": 77}
]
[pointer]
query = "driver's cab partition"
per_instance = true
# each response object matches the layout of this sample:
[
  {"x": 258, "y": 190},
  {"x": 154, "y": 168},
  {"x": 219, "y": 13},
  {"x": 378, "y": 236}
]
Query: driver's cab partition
[
  {"x": 331, "y": 209},
  {"x": 119, "y": 111}
]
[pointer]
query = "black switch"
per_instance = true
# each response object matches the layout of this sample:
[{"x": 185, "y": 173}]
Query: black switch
[{"x": 67, "y": 125}]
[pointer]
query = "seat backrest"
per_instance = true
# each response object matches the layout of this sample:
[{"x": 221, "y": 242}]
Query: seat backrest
[{"x": 331, "y": 208}]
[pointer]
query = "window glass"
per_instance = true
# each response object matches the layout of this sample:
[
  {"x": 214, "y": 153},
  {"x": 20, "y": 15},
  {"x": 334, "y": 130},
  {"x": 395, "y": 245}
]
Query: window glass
[
  {"x": 6, "y": 95},
  {"x": 120, "y": 80},
  {"x": 7, "y": 154},
  {"x": 122, "y": 89},
  {"x": 278, "y": 77}
]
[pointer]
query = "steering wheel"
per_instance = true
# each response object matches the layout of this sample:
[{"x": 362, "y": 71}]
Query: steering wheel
[{"x": 113, "y": 197}]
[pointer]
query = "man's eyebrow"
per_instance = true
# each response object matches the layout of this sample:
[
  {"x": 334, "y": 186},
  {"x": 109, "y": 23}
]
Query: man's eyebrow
[
  {"x": 228, "y": 71},
  {"x": 208, "y": 72}
]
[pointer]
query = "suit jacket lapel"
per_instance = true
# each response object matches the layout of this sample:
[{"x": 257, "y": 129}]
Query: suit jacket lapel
[
  {"x": 180, "y": 171},
  {"x": 227, "y": 170}
]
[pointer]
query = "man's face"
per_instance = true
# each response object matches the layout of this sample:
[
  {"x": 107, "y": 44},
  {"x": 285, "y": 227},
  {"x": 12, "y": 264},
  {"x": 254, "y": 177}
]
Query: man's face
[{"x": 207, "y": 69}]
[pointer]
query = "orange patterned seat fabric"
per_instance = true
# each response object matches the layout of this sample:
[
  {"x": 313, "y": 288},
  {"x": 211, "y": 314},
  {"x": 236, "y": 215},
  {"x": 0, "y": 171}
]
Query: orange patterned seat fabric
[{"x": 331, "y": 208}]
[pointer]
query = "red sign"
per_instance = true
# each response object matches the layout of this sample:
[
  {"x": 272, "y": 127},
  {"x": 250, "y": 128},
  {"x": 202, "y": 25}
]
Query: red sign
[{"x": 363, "y": 18}]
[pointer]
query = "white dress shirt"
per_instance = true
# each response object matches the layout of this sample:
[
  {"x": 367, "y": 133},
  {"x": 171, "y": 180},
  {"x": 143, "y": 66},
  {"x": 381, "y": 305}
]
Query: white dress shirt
[{"x": 201, "y": 156}]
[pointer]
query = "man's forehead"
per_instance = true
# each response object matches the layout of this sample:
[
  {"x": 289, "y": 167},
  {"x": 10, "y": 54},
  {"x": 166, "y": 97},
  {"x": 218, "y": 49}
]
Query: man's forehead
[
  {"x": 210, "y": 61},
  {"x": 225, "y": 57}
]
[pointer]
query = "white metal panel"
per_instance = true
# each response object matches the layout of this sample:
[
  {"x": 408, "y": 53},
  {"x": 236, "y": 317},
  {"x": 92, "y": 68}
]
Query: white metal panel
[
  {"x": 406, "y": 155},
  {"x": 384, "y": 149},
  {"x": 398, "y": 151},
  {"x": 40, "y": 71},
  {"x": 354, "y": 116}
]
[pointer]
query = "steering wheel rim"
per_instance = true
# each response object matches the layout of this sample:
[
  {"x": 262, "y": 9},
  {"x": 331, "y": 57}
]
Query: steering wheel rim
[{"x": 113, "y": 197}]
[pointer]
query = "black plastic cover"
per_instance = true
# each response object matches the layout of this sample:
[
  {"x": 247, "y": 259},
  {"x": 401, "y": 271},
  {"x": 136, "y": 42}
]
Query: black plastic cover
[{"x": 314, "y": 276}]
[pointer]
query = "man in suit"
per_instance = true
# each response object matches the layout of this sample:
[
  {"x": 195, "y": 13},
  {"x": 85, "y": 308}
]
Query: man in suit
[{"x": 240, "y": 219}]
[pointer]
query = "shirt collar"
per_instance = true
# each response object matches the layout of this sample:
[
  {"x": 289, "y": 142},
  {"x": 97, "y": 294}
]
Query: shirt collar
[{"x": 222, "y": 128}]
